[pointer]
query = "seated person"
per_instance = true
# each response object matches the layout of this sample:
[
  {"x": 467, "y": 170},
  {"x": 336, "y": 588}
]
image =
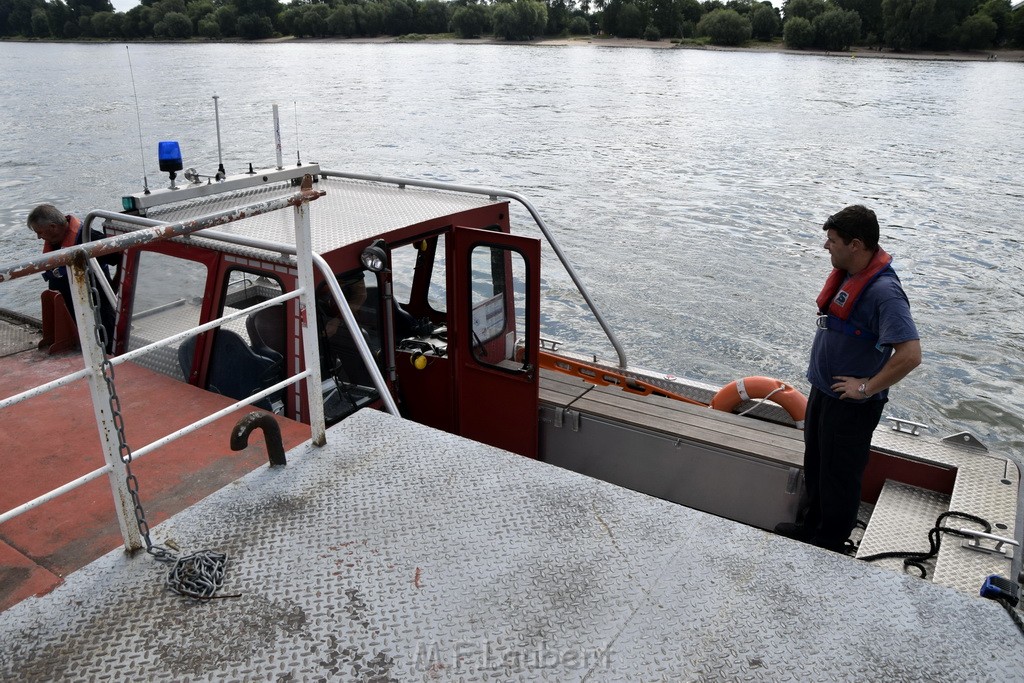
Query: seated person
[{"x": 339, "y": 346}]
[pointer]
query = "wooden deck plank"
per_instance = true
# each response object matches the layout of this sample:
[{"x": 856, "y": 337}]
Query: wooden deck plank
[{"x": 767, "y": 440}]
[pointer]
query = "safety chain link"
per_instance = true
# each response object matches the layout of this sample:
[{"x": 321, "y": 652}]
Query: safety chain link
[{"x": 199, "y": 575}]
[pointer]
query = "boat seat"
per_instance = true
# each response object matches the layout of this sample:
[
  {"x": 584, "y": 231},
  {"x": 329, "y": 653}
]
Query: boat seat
[
  {"x": 236, "y": 369},
  {"x": 266, "y": 331}
]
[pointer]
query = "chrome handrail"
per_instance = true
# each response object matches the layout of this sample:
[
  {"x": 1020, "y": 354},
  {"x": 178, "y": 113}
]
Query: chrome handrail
[{"x": 103, "y": 399}]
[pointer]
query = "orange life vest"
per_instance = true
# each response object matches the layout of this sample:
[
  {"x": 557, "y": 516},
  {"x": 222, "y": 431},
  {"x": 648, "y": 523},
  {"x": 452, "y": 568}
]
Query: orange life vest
[
  {"x": 838, "y": 297},
  {"x": 70, "y": 237}
]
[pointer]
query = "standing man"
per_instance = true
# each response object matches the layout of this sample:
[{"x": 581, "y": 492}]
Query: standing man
[
  {"x": 866, "y": 343},
  {"x": 59, "y": 231}
]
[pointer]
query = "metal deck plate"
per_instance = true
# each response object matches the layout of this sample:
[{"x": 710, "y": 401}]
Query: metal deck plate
[
  {"x": 900, "y": 522},
  {"x": 402, "y": 553},
  {"x": 17, "y": 336},
  {"x": 352, "y": 211}
]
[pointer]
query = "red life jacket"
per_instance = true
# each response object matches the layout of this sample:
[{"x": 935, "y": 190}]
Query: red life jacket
[
  {"x": 70, "y": 237},
  {"x": 838, "y": 298}
]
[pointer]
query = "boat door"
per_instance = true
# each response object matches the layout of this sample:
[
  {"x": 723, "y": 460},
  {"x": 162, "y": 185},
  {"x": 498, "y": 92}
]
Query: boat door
[{"x": 495, "y": 301}]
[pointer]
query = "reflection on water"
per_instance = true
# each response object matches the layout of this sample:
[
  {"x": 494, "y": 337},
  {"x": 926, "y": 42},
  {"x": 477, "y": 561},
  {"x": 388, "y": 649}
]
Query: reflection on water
[{"x": 687, "y": 187}]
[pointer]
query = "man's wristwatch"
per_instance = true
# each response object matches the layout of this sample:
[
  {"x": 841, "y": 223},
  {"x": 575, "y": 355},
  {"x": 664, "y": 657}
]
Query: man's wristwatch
[{"x": 863, "y": 389}]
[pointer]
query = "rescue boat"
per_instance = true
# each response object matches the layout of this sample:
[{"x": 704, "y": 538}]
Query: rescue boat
[{"x": 461, "y": 497}]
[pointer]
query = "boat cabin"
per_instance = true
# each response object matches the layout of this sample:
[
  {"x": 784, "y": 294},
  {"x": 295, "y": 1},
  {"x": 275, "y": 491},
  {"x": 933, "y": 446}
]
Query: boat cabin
[{"x": 446, "y": 302}]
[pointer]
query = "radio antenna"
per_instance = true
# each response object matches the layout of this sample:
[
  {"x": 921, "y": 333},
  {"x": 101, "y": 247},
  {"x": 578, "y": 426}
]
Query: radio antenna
[
  {"x": 298, "y": 159},
  {"x": 138, "y": 118},
  {"x": 221, "y": 174}
]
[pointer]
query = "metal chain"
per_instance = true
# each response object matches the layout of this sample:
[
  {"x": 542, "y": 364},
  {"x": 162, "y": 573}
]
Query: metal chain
[
  {"x": 199, "y": 575},
  {"x": 125, "y": 452}
]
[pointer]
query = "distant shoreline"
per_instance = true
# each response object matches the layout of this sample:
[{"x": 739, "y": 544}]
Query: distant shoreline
[
  {"x": 996, "y": 55},
  {"x": 1004, "y": 55}
]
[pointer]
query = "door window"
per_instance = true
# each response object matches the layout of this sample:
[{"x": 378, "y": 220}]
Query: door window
[{"x": 498, "y": 306}]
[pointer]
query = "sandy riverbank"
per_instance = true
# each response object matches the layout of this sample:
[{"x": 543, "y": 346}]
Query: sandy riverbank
[{"x": 753, "y": 46}]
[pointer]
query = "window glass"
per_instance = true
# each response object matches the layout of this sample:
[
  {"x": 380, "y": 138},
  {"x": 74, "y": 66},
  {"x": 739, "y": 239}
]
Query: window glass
[
  {"x": 407, "y": 260},
  {"x": 498, "y": 306},
  {"x": 168, "y": 299}
]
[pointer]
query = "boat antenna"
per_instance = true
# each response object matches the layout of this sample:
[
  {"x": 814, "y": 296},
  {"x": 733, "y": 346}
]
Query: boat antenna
[
  {"x": 298, "y": 158},
  {"x": 277, "y": 138},
  {"x": 138, "y": 118},
  {"x": 221, "y": 174}
]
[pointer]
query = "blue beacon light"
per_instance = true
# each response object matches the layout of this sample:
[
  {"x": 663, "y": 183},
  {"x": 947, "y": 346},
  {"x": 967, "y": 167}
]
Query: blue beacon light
[{"x": 169, "y": 154}]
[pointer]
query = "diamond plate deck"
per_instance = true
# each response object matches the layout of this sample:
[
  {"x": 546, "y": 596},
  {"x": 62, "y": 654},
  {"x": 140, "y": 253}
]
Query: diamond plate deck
[
  {"x": 986, "y": 486},
  {"x": 352, "y": 211},
  {"x": 402, "y": 553},
  {"x": 17, "y": 335},
  {"x": 900, "y": 521}
]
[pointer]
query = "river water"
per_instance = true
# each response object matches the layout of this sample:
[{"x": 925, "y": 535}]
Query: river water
[{"x": 687, "y": 187}]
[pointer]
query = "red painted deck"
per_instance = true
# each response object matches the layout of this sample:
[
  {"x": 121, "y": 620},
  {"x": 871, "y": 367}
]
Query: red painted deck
[{"x": 52, "y": 439}]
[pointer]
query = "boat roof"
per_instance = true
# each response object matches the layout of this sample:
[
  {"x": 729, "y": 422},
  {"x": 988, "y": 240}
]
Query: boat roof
[
  {"x": 350, "y": 212},
  {"x": 397, "y": 551}
]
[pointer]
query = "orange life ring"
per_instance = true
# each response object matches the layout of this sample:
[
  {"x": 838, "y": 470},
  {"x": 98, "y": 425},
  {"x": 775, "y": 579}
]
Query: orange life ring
[{"x": 735, "y": 393}]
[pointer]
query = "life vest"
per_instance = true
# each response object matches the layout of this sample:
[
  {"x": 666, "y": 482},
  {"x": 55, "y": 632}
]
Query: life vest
[
  {"x": 839, "y": 295},
  {"x": 71, "y": 238}
]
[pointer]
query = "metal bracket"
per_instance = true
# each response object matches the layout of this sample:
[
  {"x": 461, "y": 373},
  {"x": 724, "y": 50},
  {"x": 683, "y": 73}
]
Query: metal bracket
[
  {"x": 906, "y": 426},
  {"x": 965, "y": 439},
  {"x": 796, "y": 476},
  {"x": 573, "y": 417},
  {"x": 974, "y": 543},
  {"x": 550, "y": 344}
]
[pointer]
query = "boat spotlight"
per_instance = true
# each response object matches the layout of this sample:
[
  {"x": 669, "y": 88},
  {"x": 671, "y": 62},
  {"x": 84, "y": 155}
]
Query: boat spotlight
[
  {"x": 169, "y": 154},
  {"x": 374, "y": 258}
]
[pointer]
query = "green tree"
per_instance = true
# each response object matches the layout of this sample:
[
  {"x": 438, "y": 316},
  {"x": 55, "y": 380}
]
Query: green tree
[
  {"x": 40, "y": 23},
  {"x": 906, "y": 22},
  {"x": 764, "y": 22},
  {"x": 209, "y": 28},
  {"x": 433, "y": 17},
  {"x": 943, "y": 31},
  {"x": 870, "y": 12},
  {"x": 798, "y": 33},
  {"x": 519, "y": 20},
  {"x": 836, "y": 29},
  {"x": 16, "y": 16},
  {"x": 227, "y": 19},
  {"x": 399, "y": 18},
  {"x": 107, "y": 25},
  {"x": 57, "y": 14},
  {"x": 579, "y": 26},
  {"x": 342, "y": 22},
  {"x": 471, "y": 21},
  {"x": 1017, "y": 27},
  {"x": 558, "y": 16},
  {"x": 254, "y": 26},
  {"x": 999, "y": 11},
  {"x": 978, "y": 32},
  {"x": 369, "y": 19},
  {"x": 630, "y": 22},
  {"x": 808, "y": 9},
  {"x": 725, "y": 27},
  {"x": 313, "y": 20},
  {"x": 197, "y": 9},
  {"x": 174, "y": 26}
]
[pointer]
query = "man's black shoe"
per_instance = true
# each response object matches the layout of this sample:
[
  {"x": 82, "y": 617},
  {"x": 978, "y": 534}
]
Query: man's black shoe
[{"x": 793, "y": 530}]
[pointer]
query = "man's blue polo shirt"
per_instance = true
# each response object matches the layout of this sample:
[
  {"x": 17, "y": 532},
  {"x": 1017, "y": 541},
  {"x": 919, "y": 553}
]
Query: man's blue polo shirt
[{"x": 882, "y": 309}]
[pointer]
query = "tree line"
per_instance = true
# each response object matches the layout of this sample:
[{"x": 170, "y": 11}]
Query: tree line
[{"x": 822, "y": 24}]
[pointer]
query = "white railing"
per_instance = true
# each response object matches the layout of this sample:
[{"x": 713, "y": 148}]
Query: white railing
[{"x": 99, "y": 370}]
